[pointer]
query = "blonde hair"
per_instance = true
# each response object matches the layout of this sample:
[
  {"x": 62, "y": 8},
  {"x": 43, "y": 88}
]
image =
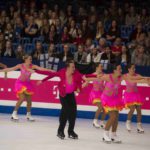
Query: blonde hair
[{"x": 25, "y": 56}]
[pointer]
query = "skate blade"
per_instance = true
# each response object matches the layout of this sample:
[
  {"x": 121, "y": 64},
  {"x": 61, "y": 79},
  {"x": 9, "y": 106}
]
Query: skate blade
[
  {"x": 96, "y": 126},
  {"x": 107, "y": 142},
  {"x": 140, "y": 132},
  {"x": 117, "y": 142},
  {"x": 60, "y": 137},
  {"x": 30, "y": 120},
  {"x": 14, "y": 120}
]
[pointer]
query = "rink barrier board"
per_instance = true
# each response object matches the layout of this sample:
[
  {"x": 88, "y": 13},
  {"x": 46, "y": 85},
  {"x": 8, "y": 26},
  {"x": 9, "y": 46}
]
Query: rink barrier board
[{"x": 46, "y": 98}]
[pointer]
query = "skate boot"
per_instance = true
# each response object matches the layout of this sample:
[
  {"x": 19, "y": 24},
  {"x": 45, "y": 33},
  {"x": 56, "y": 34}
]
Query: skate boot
[
  {"x": 61, "y": 135},
  {"x": 72, "y": 135},
  {"x": 102, "y": 124},
  {"x": 95, "y": 123},
  {"x": 106, "y": 137},
  {"x": 128, "y": 125},
  {"x": 14, "y": 116},
  {"x": 29, "y": 117},
  {"x": 115, "y": 138},
  {"x": 140, "y": 128}
]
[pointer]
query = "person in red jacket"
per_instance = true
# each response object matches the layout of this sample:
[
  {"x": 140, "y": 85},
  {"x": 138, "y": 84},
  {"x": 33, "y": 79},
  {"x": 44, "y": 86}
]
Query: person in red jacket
[{"x": 70, "y": 81}]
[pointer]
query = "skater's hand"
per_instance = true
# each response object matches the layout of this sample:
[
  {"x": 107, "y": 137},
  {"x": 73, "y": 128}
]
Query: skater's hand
[{"x": 39, "y": 82}]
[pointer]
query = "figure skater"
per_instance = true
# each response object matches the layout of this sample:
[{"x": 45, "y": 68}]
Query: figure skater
[
  {"x": 95, "y": 94},
  {"x": 132, "y": 98},
  {"x": 70, "y": 81},
  {"x": 23, "y": 86}
]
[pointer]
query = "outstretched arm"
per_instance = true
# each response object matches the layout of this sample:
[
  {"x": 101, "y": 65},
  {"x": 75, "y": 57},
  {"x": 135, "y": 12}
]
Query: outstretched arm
[
  {"x": 41, "y": 68},
  {"x": 11, "y": 69},
  {"x": 3, "y": 65}
]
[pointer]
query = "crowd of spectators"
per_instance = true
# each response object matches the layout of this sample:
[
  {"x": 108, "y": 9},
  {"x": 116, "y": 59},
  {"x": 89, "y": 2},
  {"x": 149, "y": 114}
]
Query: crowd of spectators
[{"x": 112, "y": 32}]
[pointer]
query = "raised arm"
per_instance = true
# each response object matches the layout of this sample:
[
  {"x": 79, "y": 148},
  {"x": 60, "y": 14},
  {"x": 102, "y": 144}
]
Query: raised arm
[{"x": 11, "y": 69}]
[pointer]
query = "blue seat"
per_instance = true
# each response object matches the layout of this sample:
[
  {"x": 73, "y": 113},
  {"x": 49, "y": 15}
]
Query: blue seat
[
  {"x": 29, "y": 48},
  {"x": 126, "y": 31},
  {"x": 24, "y": 40},
  {"x": 45, "y": 47},
  {"x": 73, "y": 48},
  {"x": 41, "y": 39},
  {"x": 15, "y": 45},
  {"x": 59, "y": 48}
]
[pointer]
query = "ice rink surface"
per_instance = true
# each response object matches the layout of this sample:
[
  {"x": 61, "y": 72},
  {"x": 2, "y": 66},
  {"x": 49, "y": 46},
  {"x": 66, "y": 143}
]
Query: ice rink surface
[{"x": 41, "y": 135}]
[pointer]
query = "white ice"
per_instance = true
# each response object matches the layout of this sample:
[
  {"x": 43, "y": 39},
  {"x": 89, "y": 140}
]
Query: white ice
[{"x": 41, "y": 135}]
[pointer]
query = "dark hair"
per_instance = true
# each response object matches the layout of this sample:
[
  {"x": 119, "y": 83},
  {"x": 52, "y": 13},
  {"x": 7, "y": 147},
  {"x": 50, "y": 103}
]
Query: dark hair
[
  {"x": 130, "y": 65},
  {"x": 69, "y": 61},
  {"x": 114, "y": 67}
]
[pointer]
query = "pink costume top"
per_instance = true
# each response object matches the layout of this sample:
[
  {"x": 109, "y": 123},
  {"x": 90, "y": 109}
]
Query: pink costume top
[
  {"x": 69, "y": 87},
  {"x": 23, "y": 84},
  {"x": 131, "y": 94},
  {"x": 96, "y": 91},
  {"x": 111, "y": 100}
]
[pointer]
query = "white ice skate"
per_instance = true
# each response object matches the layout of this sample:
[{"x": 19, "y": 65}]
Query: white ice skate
[
  {"x": 106, "y": 137},
  {"x": 115, "y": 138},
  {"x": 95, "y": 123},
  {"x": 128, "y": 125},
  {"x": 102, "y": 124},
  {"x": 14, "y": 116},
  {"x": 29, "y": 117},
  {"x": 140, "y": 128}
]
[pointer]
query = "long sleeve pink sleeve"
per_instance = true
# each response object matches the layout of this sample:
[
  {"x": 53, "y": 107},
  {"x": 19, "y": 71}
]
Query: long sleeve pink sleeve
[{"x": 49, "y": 73}]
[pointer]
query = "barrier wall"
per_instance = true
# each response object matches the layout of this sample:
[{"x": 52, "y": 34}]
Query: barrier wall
[{"x": 46, "y": 98}]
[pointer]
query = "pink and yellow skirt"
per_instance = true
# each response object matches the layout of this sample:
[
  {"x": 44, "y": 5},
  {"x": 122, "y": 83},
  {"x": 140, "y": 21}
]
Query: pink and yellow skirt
[
  {"x": 132, "y": 98},
  {"x": 23, "y": 87},
  {"x": 112, "y": 103},
  {"x": 95, "y": 97}
]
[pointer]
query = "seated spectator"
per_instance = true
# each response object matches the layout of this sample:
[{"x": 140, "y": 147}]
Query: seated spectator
[
  {"x": 38, "y": 50},
  {"x": 108, "y": 55},
  {"x": 117, "y": 47},
  {"x": 125, "y": 57},
  {"x": 20, "y": 52},
  {"x": 113, "y": 32},
  {"x": 18, "y": 29},
  {"x": 88, "y": 45},
  {"x": 99, "y": 30},
  {"x": 72, "y": 30},
  {"x": 53, "y": 36},
  {"x": 79, "y": 38},
  {"x": 31, "y": 30},
  {"x": 8, "y": 33},
  {"x": 52, "y": 51},
  {"x": 94, "y": 56},
  {"x": 65, "y": 54},
  {"x": 65, "y": 37},
  {"x": 101, "y": 45},
  {"x": 8, "y": 51},
  {"x": 131, "y": 17},
  {"x": 137, "y": 32},
  {"x": 84, "y": 28},
  {"x": 80, "y": 56},
  {"x": 2, "y": 43},
  {"x": 45, "y": 30},
  {"x": 139, "y": 57}
]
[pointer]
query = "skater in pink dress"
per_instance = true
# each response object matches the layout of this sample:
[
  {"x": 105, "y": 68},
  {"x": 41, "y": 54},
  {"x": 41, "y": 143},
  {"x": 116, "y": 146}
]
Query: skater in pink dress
[
  {"x": 112, "y": 102},
  {"x": 95, "y": 94},
  {"x": 132, "y": 98},
  {"x": 23, "y": 86}
]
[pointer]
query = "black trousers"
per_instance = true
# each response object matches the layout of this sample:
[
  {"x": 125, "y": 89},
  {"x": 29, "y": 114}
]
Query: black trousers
[{"x": 68, "y": 112}]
